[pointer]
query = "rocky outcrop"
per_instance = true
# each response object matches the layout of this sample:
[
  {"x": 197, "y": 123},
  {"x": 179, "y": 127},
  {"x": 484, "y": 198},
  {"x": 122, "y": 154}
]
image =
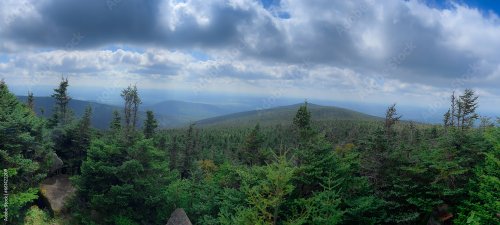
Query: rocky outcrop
[
  {"x": 57, "y": 163},
  {"x": 179, "y": 217},
  {"x": 57, "y": 190}
]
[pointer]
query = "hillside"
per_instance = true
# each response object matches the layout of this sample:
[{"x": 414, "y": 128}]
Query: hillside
[
  {"x": 189, "y": 111},
  {"x": 284, "y": 115},
  {"x": 101, "y": 113},
  {"x": 173, "y": 115}
]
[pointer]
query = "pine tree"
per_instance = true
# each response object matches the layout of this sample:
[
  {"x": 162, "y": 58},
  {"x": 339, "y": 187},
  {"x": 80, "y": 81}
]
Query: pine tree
[
  {"x": 266, "y": 189},
  {"x": 302, "y": 121},
  {"x": 61, "y": 111},
  {"x": 189, "y": 151},
  {"x": 391, "y": 118},
  {"x": 124, "y": 183},
  {"x": 469, "y": 104},
  {"x": 25, "y": 154},
  {"x": 252, "y": 146},
  {"x": 447, "y": 120},
  {"x": 132, "y": 101},
  {"x": 174, "y": 153},
  {"x": 483, "y": 206},
  {"x": 150, "y": 124},
  {"x": 31, "y": 101},
  {"x": 116, "y": 123},
  {"x": 82, "y": 140}
]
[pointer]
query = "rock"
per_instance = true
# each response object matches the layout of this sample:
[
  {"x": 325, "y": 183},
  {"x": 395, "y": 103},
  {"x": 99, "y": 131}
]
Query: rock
[
  {"x": 57, "y": 163},
  {"x": 57, "y": 190},
  {"x": 179, "y": 217}
]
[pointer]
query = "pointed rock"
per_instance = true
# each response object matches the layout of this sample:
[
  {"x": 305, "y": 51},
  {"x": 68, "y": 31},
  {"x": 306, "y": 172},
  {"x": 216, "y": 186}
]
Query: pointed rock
[
  {"x": 57, "y": 163},
  {"x": 179, "y": 217},
  {"x": 57, "y": 190}
]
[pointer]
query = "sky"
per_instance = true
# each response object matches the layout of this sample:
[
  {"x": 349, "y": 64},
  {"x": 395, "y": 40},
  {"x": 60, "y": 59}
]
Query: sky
[{"x": 360, "y": 52}]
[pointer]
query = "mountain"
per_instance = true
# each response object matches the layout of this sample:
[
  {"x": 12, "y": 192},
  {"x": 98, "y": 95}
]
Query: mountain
[
  {"x": 189, "y": 111},
  {"x": 102, "y": 114},
  {"x": 167, "y": 113},
  {"x": 285, "y": 115}
]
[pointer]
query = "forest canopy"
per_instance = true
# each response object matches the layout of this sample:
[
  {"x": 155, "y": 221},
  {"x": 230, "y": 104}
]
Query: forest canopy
[{"x": 388, "y": 171}]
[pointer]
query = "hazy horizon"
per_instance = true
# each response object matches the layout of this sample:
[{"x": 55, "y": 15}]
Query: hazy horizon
[{"x": 257, "y": 54}]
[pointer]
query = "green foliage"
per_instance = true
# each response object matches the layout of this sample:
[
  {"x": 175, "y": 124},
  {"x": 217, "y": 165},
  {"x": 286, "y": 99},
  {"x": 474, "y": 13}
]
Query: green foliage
[
  {"x": 125, "y": 183},
  {"x": 334, "y": 172},
  {"x": 25, "y": 152},
  {"x": 62, "y": 113},
  {"x": 36, "y": 216},
  {"x": 252, "y": 148},
  {"x": 265, "y": 188},
  {"x": 483, "y": 205},
  {"x": 150, "y": 124},
  {"x": 132, "y": 101}
]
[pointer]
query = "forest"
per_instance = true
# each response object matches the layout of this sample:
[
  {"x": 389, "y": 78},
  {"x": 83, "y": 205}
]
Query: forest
[{"x": 388, "y": 171}]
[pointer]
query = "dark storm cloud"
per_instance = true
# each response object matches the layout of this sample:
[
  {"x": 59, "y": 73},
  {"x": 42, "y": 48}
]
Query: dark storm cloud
[
  {"x": 405, "y": 42},
  {"x": 129, "y": 22}
]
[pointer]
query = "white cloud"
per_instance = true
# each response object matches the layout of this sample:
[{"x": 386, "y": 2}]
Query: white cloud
[{"x": 354, "y": 50}]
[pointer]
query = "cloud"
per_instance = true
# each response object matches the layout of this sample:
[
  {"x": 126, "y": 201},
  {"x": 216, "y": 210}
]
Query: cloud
[{"x": 361, "y": 50}]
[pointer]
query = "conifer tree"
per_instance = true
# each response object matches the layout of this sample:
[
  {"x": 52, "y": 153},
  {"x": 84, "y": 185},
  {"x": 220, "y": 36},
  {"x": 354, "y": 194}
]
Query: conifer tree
[
  {"x": 252, "y": 146},
  {"x": 468, "y": 103},
  {"x": 391, "y": 118},
  {"x": 61, "y": 110},
  {"x": 132, "y": 101},
  {"x": 189, "y": 151},
  {"x": 83, "y": 139},
  {"x": 302, "y": 122},
  {"x": 25, "y": 154},
  {"x": 447, "y": 120},
  {"x": 116, "y": 123},
  {"x": 174, "y": 152},
  {"x": 150, "y": 124},
  {"x": 31, "y": 101}
]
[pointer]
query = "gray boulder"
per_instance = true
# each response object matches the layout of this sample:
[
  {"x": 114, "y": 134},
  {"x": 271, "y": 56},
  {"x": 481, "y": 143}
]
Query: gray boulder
[
  {"x": 57, "y": 190},
  {"x": 179, "y": 217},
  {"x": 57, "y": 163}
]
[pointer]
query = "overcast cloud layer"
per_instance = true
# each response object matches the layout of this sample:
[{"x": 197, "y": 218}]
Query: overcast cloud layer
[{"x": 402, "y": 51}]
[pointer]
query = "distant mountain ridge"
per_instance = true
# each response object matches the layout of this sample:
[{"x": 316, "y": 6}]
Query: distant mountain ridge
[
  {"x": 284, "y": 115},
  {"x": 189, "y": 111},
  {"x": 168, "y": 113},
  {"x": 171, "y": 114}
]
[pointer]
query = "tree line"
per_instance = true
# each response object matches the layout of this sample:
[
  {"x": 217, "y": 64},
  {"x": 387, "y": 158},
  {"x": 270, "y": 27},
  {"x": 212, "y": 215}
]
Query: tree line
[{"x": 338, "y": 172}]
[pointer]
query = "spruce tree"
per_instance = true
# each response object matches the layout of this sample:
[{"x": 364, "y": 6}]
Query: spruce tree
[
  {"x": 189, "y": 151},
  {"x": 83, "y": 139},
  {"x": 150, "y": 124},
  {"x": 25, "y": 154},
  {"x": 391, "y": 118},
  {"x": 469, "y": 104},
  {"x": 116, "y": 123},
  {"x": 447, "y": 120},
  {"x": 302, "y": 124},
  {"x": 31, "y": 101},
  {"x": 252, "y": 146},
  {"x": 61, "y": 110},
  {"x": 132, "y": 101}
]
